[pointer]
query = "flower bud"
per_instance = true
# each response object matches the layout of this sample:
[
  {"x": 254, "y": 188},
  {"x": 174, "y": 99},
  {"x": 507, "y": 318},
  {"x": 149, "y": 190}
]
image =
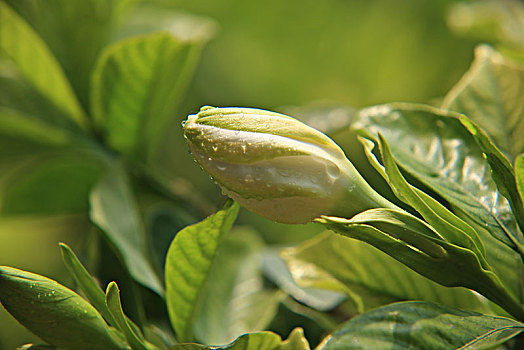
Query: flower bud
[
  {"x": 55, "y": 313},
  {"x": 276, "y": 166}
]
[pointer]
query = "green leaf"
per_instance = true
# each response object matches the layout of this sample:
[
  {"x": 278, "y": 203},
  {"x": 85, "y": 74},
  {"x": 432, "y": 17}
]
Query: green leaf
[
  {"x": 433, "y": 146},
  {"x": 115, "y": 308},
  {"x": 189, "y": 264},
  {"x": 519, "y": 174},
  {"x": 114, "y": 210},
  {"x": 373, "y": 277},
  {"x": 137, "y": 84},
  {"x": 502, "y": 173},
  {"x": 295, "y": 341},
  {"x": 36, "y": 63},
  {"x": 490, "y": 93},
  {"x": 420, "y": 325},
  {"x": 233, "y": 300},
  {"x": 320, "y": 299},
  {"x": 413, "y": 243},
  {"x": 75, "y": 32},
  {"x": 53, "y": 312},
  {"x": 50, "y": 182},
  {"x": 86, "y": 283},
  {"x": 250, "y": 341}
]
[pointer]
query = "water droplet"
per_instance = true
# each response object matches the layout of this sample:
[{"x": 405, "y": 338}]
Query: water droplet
[
  {"x": 221, "y": 167},
  {"x": 333, "y": 171}
]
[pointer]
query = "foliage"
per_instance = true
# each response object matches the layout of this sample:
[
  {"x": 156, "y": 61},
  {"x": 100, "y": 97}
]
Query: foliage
[{"x": 88, "y": 98}]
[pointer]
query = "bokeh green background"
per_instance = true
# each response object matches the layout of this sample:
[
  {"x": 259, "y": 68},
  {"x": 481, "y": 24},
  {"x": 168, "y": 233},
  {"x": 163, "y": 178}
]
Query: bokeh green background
[{"x": 271, "y": 54}]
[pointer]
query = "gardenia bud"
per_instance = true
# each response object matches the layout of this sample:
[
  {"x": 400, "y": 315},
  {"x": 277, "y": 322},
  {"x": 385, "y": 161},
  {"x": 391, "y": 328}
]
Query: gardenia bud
[{"x": 276, "y": 166}]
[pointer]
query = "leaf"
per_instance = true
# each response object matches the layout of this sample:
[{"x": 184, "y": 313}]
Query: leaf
[
  {"x": 114, "y": 210},
  {"x": 519, "y": 174},
  {"x": 53, "y": 312},
  {"x": 295, "y": 341},
  {"x": 250, "y": 341},
  {"x": 75, "y": 33},
  {"x": 232, "y": 300},
  {"x": 189, "y": 264},
  {"x": 86, "y": 282},
  {"x": 374, "y": 277},
  {"x": 136, "y": 85},
  {"x": 490, "y": 94},
  {"x": 502, "y": 173},
  {"x": 320, "y": 299},
  {"x": 434, "y": 147},
  {"x": 21, "y": 102},
  {"x": 403, "y": 237},
  {"x": 36, "y": 63},
  {"x": 421, "y": 325},
  {"x": 115, "y": 308}
]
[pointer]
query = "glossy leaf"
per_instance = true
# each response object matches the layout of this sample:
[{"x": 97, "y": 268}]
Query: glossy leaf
[
  {"x": 114, "y": 210},
  {"x": 420, "y": 325},
  {"x": 251, "y": 341},
  {"x": 75, "y": 33},
  {"x": 490, "y": 94},
  {"x": 501, "y": 172},
  {"x": 502, "y": 259},
  {"x": 136, "y": 86},
  {"x": 233, "y": 300},
  {"x": 434, "y": 147},
  {"x": 373, "y": 277},
  {"x": 32, "y": 57},
  {"x": 320, "y": 299},
  {"x": 519, "y": 174},
  {"x": 189, "y": 264},
  {"x": 53, "y": 312},
  {"x": 86, "y": 283},
  {"x": 408, "y": 240},
  {"x": 115, "y": 308},
  {"x": 295, "y": 341}
]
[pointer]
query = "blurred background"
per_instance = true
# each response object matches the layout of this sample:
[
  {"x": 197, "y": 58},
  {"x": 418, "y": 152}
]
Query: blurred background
[{"x": 269, "y": 54}]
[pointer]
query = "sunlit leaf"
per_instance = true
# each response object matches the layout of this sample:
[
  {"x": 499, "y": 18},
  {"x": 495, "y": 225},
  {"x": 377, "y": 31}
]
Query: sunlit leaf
[
  {"x": 490, "y": 93},
  {"x": 374, "y": 277},
  {"x": 189, "y": 264},
  {"x": 438, "y": 151},
  {"x": 233, "y": 300},
  {"x": 137, "y": 84},
  {"x": 53, "y": 312},
  {"x": 114, "y": 210},
  {"x": 36, "y": 63},
  {"x": 75, "y": 32},
  {"x": 114, "y": 306},
  {"x": 420, "y": 325}
]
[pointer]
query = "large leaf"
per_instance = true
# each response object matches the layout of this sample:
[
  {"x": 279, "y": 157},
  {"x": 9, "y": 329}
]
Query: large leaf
[
  {"x": 114, "y": 210},
  {"x": 437, "y": 150},
  {"x": 420, "y": 325},
  {"x": 233, "y": 300},
  {"x": 136, "y": 86},
  {"x": 189, "y": 265},
  {"x": 374, "y": 277},
  {"x": 53, "y": 312},
  {"x": 519, "y": 174},
  {"x": 256, "y": 341},
  {"x": 75, "y": 32},
  {"x": 36, "y": 64},
  {"x": 490, "y": 93}
]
